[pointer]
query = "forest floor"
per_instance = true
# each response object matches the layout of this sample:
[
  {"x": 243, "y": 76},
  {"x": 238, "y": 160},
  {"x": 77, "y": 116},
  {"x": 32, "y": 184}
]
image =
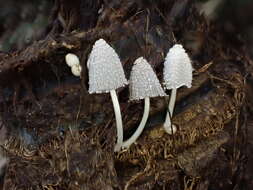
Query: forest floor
[{"x": 54, "y": 135}]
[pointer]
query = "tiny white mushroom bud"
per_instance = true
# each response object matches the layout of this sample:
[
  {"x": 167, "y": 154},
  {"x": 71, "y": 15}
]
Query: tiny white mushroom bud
[
  {"x": 76, "y": 70},
  {"x": 71, "y": 59}
]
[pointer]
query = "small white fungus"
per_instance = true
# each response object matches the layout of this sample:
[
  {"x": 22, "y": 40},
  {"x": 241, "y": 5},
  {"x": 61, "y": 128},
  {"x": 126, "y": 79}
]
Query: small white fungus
[
  {"x": 71, "y": 59},
  {"x": 76, "y": 70}
]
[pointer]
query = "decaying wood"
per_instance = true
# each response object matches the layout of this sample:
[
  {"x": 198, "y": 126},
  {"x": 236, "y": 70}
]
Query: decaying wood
[
  {"x": 195, "y": 160},
  {"x": 59, "y": 137},
  {"x": 45, "y": 48}
]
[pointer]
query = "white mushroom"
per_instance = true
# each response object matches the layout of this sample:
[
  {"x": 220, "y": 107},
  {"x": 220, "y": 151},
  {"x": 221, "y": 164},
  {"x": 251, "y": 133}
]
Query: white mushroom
[
  {"x": 76, "y": 70},
  {"x": 143, "y": 84},
  {"x": 106, "y": 74},
  {"x": 177, "y": 72},
  {"x": 73, "y": 61}
]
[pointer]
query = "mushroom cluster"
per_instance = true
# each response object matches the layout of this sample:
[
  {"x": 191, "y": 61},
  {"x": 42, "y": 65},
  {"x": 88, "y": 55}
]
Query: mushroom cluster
[
  {"x": 73, "y": 62},
  {"x": 106, "y": 74}
]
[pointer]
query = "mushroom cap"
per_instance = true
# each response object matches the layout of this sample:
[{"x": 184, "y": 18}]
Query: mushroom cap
[
  {"x": 105, "y": 70},
  {"x": 143, "y": 81},
  {"x": 177, "y": 68},
  {"x": 71, "y": 59}
]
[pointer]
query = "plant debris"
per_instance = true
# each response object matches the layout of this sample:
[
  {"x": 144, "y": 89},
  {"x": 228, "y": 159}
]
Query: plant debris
[{"x": 57, "y": 136}]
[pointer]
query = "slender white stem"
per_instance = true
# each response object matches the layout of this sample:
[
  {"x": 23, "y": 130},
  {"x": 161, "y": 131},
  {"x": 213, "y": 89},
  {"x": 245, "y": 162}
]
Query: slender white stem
[
  {"x": 137, "y": 133},
  {"x": 167, "y": 123},
  {"x": 172, "y": 100},
  {"x": 118, "y": 120}
]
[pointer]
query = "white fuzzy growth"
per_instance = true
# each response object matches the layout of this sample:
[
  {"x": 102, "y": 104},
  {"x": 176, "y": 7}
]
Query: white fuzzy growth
[
  {"x": 143, "y": 81},
  {"x": 76, "y": 70},
  {"x": 105, "y": 70},
  {"x": 177, "y": 68},
  {"x": 71, "y": 59}
]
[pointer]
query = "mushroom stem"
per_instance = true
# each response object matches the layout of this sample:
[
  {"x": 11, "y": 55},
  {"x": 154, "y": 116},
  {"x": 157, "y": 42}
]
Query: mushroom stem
[
  {"x": 141, "y": 126},
  {"x": 167, "y": 124},
  {"x": 119, "y": 125}
]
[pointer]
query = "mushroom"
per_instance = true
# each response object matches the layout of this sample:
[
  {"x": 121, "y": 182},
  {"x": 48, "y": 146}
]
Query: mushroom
[
  {"x": 76, "y": 70},
  {"x": 73, "y": 61},
  {"x": 177, "y": 72},
  {"x": 106, "y": 74},
  {"x": 143, "y": 84}
]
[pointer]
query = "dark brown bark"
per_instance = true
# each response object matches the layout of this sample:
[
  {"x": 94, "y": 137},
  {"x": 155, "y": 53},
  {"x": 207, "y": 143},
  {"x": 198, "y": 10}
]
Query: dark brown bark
[{"x": 60, "y": 137}]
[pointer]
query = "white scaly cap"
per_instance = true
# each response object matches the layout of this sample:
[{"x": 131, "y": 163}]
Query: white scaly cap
[
  {"x": 177, "y": 68},
  {"x": 143, "y": 81},
  {"x": 105, "y": 70}
]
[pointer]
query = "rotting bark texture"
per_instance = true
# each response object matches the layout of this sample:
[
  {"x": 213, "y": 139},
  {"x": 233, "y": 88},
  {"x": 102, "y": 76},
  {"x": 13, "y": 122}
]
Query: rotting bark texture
[{"x": 59, "y": 137}]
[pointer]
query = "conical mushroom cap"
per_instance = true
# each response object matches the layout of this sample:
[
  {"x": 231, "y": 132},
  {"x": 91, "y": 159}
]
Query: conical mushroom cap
[
  {"x": 105, "y": 70},
  {"x": 143, "y": 81},
  {"x": 177, "y": 68}
]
